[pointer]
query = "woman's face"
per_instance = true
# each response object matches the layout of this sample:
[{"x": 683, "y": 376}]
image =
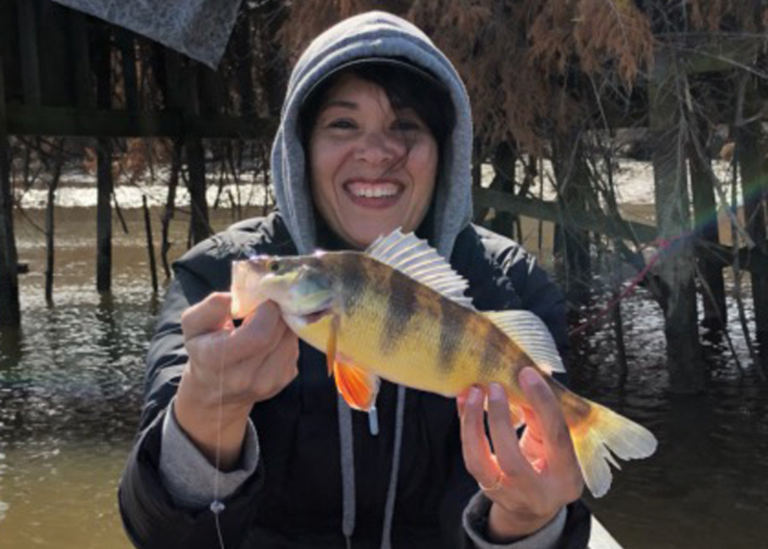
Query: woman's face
[{"x": 372, "y": 169}]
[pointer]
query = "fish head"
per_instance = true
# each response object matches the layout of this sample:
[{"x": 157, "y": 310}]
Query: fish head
[{"x": 301, "y": 286}]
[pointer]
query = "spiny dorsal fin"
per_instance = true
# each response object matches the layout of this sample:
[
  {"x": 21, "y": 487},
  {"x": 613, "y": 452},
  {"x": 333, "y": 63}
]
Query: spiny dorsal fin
[
  {"x": 417, "y": 259},
  {"x": 530, "y": 334}
]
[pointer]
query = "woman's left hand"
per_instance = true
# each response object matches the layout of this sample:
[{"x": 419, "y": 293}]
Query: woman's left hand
[{"x": 528, "y": 479}]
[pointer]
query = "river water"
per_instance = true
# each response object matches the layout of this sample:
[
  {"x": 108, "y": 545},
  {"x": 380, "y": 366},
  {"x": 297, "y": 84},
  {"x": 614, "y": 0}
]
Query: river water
[{"x": 71, "y": 383}]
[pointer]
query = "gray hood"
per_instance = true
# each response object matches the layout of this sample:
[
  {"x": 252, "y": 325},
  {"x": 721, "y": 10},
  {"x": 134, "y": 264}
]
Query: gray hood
[{"x": 373, "y": 34}]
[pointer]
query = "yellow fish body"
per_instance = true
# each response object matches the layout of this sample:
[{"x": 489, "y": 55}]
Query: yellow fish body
[{"x": 398, "y": 312}]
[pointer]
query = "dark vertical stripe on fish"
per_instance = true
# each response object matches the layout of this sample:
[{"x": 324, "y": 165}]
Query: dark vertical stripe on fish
[
  {"x": 496, "y": 342},
  {"x": 401, "y": 306},
  {"x": 353, "y": 281},
  {"x": 453, "y": 322}
]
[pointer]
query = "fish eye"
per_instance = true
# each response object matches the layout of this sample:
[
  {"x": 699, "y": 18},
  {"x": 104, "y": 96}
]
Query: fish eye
[{"x": 274, "y": 266}]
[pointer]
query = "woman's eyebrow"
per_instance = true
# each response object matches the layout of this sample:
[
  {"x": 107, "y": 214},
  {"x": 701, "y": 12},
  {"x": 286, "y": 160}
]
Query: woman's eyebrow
[{"x": 340, "y": 103}]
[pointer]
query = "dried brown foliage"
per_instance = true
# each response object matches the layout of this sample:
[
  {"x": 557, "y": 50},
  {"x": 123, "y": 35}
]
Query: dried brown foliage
[
  {"x": 711, "y": 14},
  {"x": 512, "y": 55},
  {"x": 525, "y": 62}
]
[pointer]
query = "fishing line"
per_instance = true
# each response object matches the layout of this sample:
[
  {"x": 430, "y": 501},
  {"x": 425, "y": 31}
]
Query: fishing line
[
  {"x": 663, "y": 245},
  {"x": 217, "y": 506}
]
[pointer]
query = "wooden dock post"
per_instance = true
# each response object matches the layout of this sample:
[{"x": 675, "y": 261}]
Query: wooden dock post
[
  {"x": 677, "y": 266},
  {"x": 10, "y": 311}
]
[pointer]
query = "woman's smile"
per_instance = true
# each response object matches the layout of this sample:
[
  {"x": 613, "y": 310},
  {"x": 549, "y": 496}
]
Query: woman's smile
[{"x": 376, "y": 194}]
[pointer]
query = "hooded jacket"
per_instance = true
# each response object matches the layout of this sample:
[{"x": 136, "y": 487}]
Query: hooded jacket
[{"x": 313, "y": 474}]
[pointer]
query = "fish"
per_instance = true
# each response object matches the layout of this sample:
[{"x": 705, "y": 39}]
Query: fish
[{"x": 398, "y": 311}]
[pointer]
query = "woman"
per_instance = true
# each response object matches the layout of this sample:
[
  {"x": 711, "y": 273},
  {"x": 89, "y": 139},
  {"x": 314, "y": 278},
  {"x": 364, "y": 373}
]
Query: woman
[{"x": 375, "y": 134}]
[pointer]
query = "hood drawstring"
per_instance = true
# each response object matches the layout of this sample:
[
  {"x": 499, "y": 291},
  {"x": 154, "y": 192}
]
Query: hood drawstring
[
  {"x": 346, "y": 441},
  {"x": 386, "y": 535},
  {"x": 347, "y": 470}
]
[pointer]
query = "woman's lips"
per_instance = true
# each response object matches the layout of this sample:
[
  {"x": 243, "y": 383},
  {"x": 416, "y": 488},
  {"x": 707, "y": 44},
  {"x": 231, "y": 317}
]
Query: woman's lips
[{"x": 374, "y": 194}]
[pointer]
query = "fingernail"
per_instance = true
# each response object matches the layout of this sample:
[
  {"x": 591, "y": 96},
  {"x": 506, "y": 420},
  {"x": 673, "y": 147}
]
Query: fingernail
[
  {"x": 529, "y": 377},
  {"x": 496, "y": 391},
  {"x": 474, "y": 396}
]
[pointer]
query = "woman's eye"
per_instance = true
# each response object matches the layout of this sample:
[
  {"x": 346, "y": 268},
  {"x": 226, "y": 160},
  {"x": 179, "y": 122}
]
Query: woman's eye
[
  {"x": 342, "y": 124},
  {"x": 405, "y": 125}
]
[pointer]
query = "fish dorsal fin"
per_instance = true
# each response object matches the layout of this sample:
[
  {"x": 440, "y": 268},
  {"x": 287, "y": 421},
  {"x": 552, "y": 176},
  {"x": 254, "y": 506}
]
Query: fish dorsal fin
[
  {"x": 530, "y": 334},
  {"x": 415, "y": 258}
]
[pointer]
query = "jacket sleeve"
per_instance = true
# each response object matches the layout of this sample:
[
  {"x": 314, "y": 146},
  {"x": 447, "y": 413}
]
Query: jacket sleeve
[{"x": 150, "y": 516}]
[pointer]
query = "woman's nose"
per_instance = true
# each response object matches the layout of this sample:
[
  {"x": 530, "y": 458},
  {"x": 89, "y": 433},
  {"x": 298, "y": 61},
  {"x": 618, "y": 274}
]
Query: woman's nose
[{"x": 377, "y": 147}]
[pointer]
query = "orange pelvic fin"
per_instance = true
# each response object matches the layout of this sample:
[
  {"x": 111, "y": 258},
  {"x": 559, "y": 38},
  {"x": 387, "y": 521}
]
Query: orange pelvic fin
[{"x": 358, "y": 387}]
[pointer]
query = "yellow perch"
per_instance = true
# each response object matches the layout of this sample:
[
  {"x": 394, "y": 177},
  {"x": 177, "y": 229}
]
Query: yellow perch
[{"x": 398, "y": 311}]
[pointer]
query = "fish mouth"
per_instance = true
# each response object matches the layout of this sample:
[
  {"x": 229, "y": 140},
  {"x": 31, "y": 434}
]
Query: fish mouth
[
  {"x": 312, "y": 315},
  {"x": 311, "y": 318}
]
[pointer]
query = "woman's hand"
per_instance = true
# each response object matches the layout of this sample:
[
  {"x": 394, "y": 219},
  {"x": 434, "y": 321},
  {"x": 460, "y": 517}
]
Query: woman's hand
[
  {"x": 529, "y": 479},
  {"x": 229, "y": 370}
]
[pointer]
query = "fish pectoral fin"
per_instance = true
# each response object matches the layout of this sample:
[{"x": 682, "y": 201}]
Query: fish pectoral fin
[
  {"x": 358, "y": 387},
  {"x": 529, "y": 333}
]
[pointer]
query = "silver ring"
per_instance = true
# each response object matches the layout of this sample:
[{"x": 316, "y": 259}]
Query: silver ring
[{"x": 496, "y": 484}]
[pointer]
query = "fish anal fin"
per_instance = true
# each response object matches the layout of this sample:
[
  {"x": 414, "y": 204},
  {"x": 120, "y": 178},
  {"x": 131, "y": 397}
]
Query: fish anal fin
[
  {"x": 358, "y": 387},
  {"x": 529, "y": 333}
]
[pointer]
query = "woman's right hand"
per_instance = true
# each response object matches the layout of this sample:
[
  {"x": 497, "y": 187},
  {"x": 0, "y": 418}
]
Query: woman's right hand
[{"x": 229, "y": 370}]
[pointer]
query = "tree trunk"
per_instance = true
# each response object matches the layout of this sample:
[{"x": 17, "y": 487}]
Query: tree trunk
[
  {"x": 10, "y": 311},
  {"x": 170, "y": 205},
  {"x": 753, "y": 163},
  {"x": 104, "y": 183},
  {"x": 705, "y": 214},
  {"x": 150, "y": 243},
  {"x": 49, "y": 222},
  {"x": 199, "y": 225},
  {"x": 677, "y": 266},
  {"x": 504, "y": 180},
  {"x": 572, "y": 180},
  {"x": 104, "y": 215}
]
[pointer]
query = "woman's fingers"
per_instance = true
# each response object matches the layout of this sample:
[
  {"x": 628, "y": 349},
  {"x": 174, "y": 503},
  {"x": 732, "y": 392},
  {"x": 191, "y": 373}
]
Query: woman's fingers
[
  {"x": 505, "y": 442},
  {"x": 477, "y": 451},
  {"x": 259, "y": 334},
  {"x": 210, "y": 315},
  {"x": 552, "y": 428},
  {"x": 547, "y": 423}
]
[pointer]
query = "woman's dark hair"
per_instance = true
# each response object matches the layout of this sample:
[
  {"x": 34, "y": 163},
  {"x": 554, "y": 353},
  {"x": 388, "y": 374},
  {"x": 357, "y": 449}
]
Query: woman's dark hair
[{"x": 405, "y": 88}]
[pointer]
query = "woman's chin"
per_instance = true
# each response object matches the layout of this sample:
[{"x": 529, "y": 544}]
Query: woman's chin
[{"x": 363, "y": 235}]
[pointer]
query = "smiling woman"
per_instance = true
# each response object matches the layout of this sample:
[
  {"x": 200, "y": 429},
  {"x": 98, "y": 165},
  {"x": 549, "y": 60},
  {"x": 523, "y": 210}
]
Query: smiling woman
[{"x": 245, "y": 441}]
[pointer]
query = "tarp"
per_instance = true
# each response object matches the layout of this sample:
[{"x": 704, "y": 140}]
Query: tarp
[{"x": 197, "y": 28}]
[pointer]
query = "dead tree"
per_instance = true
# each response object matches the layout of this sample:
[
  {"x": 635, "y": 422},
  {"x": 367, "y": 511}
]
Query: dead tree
[
  {"x": 10, "y": 311},
  {"x": 678, "y": 265}
]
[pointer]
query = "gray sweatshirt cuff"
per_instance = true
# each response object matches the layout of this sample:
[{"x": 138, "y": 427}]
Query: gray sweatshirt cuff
[
  {"x": 189, "y": 477},
  {"x": 475, "y": 520}
]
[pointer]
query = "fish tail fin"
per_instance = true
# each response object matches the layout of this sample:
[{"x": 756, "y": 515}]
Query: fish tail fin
[{"x": 600, "y": 434}]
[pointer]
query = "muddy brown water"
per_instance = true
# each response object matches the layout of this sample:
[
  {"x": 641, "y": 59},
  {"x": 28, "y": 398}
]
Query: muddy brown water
[{"x": 71, "y": 383}]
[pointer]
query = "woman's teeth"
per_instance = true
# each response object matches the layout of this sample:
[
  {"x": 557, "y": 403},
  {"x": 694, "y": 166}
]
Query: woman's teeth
[{"x": 373, "y": 191}]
